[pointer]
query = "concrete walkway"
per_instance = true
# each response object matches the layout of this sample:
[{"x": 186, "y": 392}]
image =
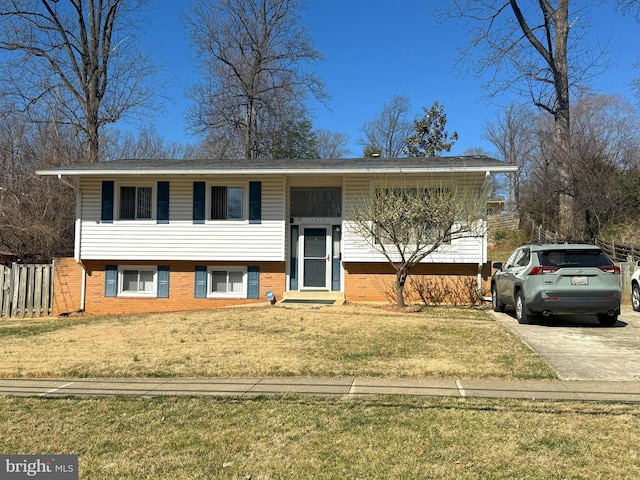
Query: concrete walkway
[{"x": 601, "y": 391}]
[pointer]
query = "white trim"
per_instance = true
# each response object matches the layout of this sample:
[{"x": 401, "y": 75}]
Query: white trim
[
  {"x": 137, "y": 184},
  {"x": 139, "y": 268},
  {"x": 328, "y": 258},
  {"x": 223, "y": 268},
  {"x": 77, "y": 254},
  {"x": 208, "y": 200}
]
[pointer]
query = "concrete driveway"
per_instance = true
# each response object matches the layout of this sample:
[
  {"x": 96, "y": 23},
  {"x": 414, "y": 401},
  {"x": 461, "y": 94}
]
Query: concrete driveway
[{"x": 578, "y": 348}]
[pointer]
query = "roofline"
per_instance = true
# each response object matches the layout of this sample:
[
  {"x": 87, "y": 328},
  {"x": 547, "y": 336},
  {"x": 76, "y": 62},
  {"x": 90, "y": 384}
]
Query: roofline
[{"x": 275, "y": 171}]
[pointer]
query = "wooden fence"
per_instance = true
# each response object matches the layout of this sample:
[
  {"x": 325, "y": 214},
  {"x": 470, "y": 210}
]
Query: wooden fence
[
  {"x": 26, "y": 290},
  {"x": 618, "y": 252}
]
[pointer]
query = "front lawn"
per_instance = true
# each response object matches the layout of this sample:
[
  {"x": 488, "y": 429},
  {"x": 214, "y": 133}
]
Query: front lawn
[
  {"x": 310, "y": 438},
  {"x": 270, "y": 341}
]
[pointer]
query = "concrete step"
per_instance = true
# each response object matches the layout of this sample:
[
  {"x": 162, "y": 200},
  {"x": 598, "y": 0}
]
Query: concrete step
[{"x": 313, "y": 297}]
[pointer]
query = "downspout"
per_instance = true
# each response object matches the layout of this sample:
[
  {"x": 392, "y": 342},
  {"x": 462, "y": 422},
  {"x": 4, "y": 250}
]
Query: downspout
[
  {"x": 484, "y": 248},
  {"x": 83, "y": 286}
]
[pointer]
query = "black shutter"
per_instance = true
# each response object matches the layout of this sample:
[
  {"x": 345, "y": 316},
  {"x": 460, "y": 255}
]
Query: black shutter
[
  {"x": 198, "y": 202},
  {"x": 255, "y": 202},
  {"x": 162, "y": 207},
  {"x": 106, "y": 214}
]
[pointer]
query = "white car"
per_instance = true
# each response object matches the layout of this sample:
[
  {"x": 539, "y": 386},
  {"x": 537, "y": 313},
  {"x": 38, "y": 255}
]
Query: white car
[{"x": 635, "y": 288}]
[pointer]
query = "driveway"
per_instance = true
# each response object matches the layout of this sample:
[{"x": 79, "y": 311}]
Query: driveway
[{"x": 578, "y": 348}]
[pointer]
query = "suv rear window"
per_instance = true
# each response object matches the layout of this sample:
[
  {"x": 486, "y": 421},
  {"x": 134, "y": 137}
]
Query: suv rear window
[{"x": 573, "y": 258}]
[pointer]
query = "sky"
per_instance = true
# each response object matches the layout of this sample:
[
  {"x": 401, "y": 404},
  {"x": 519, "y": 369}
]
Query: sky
[{"x": 375, "y": 49}]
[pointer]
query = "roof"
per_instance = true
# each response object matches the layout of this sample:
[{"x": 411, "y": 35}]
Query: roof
[{"x": 472, "y": 163}]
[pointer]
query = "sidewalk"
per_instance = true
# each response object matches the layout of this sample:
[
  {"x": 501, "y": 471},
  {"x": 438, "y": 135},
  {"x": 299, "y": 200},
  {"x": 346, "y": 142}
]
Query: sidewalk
[{"x": 574, "y": 390}]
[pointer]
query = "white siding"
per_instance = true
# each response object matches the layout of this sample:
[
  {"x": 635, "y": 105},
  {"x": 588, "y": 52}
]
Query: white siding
[
  {"x": 181, "y": 239},
  {"x": 356, "y": 249}
]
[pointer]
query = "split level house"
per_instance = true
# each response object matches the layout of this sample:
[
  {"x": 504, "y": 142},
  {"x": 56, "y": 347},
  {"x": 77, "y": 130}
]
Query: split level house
[{"x": 170, "y": 235}]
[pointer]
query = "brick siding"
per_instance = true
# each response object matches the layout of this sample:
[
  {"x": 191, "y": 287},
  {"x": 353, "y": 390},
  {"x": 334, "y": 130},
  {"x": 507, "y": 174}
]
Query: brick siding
[
  {"x": 363, "y": 282},
  {"x": 67, "y": 285},
  {"x": 181, "y": 288},
  {"x": 374, "y": 282}
]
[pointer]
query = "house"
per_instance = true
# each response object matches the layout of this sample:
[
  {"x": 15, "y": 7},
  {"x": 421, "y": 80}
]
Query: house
[{"x": 163, "y": 235}]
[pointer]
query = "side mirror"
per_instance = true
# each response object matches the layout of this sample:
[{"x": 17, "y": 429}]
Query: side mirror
[
  {"x": 497, "y": 265},
  {"x": 638, "y": 263}
]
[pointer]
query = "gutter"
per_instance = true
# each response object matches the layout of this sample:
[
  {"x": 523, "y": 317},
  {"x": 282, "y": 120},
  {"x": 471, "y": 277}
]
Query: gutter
[
  {"x": 484, "y": 249},
  {"x": 274, "y": 171},
  {"x": 62, "y": 179}
]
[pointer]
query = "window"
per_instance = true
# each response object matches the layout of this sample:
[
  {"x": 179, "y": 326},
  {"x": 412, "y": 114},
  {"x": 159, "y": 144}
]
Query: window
[
  {"x": 137, "y": 281},
  {"x": 227, "y": 203},
  {"x": 325, "y": 202},
  {"x": 573, "y": 258},
  {"x": 227, "y": 282},
  {"x": 411, "y": 216},
  {"x": 523, "y": 261},
  {"x": 135, "y": 203}
]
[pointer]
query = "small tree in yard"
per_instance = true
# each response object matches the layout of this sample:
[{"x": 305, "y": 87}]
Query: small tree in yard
[{"x": 407, "y": 223}]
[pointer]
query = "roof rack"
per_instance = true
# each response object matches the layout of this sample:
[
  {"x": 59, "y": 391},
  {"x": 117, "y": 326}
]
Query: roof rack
[{"x": 560, "y": 242}]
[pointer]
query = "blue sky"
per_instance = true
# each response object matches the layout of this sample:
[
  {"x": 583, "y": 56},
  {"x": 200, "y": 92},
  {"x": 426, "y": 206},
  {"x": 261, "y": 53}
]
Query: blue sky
[{"x": 375, "y": 49}]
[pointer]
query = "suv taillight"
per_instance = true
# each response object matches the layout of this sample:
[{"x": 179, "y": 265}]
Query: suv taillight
[
  {"x": 541, "y": 270},
  {"x": 611, "y": 269}
]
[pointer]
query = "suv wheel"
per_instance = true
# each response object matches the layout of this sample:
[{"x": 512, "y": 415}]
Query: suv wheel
[
  {"x": 635, "y": 297},
  {"x": 522, "y": 315},
  {"x": 606, "y": 320},
  {"x": 495, "y": 301}
]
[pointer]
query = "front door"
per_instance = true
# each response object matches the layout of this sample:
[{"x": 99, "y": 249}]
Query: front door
[{"x": 316, "y": 257}]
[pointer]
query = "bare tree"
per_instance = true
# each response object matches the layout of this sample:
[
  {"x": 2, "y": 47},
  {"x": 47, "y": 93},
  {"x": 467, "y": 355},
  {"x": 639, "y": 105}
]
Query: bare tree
[
  {"x": 36, "y": 214},
  {"x": 253, "y": 54},
  {"x": 604, "y": 167},
  {"x": 511, "y": 135},
  {"x": 407, "y": 223},
  {"x": 387, "y": 133},
  {"x": 531, "y": 41},
  {"x": 145, "y": 143},
  {"x": 81, "y": 57},
  {"x": 331, "y": 144},
  {"x": 606, "y": 150}
]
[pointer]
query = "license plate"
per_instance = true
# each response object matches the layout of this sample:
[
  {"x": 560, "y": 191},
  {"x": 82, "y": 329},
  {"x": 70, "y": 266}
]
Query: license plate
[{"x": 579, "y": 281}]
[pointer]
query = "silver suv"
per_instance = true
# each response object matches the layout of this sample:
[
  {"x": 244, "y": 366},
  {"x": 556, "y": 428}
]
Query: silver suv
[{"x": 562, "y": 278}]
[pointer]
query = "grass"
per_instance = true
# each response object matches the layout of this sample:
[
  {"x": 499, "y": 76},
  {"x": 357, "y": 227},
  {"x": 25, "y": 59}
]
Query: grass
[
  {"x": 301, "y": 436},
  {"x": 311, "y": 438},
  {"x": 498, "y": 250},
  {"x": 270, "y": 341}
]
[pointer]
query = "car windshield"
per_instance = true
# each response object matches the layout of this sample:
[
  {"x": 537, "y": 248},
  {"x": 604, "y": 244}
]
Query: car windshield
[{"x": 573, "y": 258}]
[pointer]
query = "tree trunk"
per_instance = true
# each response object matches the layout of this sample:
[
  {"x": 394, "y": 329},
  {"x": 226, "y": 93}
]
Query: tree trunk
[
  {"x": 560, "y": 70},
  {"x": 401, "y": 278},
  {"x": 93, "y": 143}
]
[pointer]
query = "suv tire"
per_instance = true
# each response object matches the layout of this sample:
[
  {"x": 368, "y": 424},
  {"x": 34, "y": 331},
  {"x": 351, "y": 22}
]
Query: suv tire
[
  {"x": 635, "y": 297},
  {"x": 522, "y": 314},
  {"x": 498, "y": 306}
]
